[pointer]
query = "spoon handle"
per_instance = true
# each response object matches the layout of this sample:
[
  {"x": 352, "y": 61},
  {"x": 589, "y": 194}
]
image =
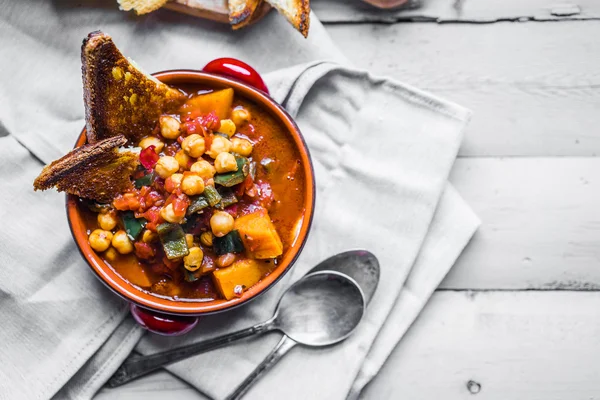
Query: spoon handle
[
  {"x": 284, "y": 345},
  {"x": 136, "y": 367}
]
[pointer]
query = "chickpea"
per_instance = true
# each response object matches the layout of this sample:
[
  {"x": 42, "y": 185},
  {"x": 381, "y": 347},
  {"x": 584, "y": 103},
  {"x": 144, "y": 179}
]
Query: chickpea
[
  {"x": 240, "y": 116},
  {"x": 169, "y": 127},
  {"x": 189, "y": 240},
  {"x": 193, "y": 260},
  {"x": 225, "y": 162},
  {"x": 226, "y": 260},
  {"x": 121, "y": 242},
  {"x": 111, "y": 254},
  {"x": 192, "y": 185},
  {"x": 219, "y": 145},
  {"x": 100, "y": 239},
  {"x": 227, "y": 127},
  {"x": 241, "y": 146},
  {"x": 183, "y": 159},
  {"x": 193, "y": 145},
  {"x": 152, "y": 141},
  {"x": 148, "y": 236},
  {"x": 221, "y": 223},
  {"x": 203, "y": 169},
  {"x": 173, "y": 182},
  {"x": 168, "y": 214},
  {"x": 206, "y": 239},
  {"x": 107, "y": 221},
  {"x": 166, "y": 166}
]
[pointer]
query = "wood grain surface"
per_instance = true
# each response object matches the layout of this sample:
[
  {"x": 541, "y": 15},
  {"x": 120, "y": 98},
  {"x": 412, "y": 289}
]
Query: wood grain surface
[
  {"x": 534, "y": 87},
  {"x": 352, "y": 11}
]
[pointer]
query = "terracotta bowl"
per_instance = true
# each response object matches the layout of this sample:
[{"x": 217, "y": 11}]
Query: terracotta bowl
[{"x": 171, "y": 317}]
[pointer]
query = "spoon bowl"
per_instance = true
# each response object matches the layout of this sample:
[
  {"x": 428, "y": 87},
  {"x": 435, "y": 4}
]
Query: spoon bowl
[{"x": 320, "y": 309}]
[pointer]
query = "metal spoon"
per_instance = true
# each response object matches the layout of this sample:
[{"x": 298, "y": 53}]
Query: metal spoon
[
  {"x": 360, "y": 265},
  {"x": 320, "y": 309}
]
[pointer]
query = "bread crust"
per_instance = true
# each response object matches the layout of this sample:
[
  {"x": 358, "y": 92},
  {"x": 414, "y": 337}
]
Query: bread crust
[
  {"x": 94, "y": 171},
  {"x": 297, "y": 13},
  {"x": 120, "y": 99}
]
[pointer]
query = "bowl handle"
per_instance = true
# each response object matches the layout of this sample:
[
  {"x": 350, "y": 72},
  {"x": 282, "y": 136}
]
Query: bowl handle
[
  {"x": 236, "y": 69},
  {"x": 162, "y": 324}
]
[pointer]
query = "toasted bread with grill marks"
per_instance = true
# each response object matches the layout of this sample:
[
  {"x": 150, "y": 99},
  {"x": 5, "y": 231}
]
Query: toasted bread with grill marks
[
  {"x": 297, "y": 13},
  {"x": 97, "y": 171},
  {"x": 241, "y": 12},
  {"x": 141, "y": 6},
  {"x": 119, "y": 98}
]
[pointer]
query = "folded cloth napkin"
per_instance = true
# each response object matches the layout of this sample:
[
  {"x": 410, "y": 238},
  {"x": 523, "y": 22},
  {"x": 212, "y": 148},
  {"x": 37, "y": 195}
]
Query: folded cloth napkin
[{"x": 382, "y": 152}]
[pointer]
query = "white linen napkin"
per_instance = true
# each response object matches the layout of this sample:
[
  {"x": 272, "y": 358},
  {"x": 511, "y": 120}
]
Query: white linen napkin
[{"x": 382, "y": 153}]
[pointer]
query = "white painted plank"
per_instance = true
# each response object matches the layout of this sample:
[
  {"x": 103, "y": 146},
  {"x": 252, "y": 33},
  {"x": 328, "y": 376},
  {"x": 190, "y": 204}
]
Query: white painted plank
[
  {"x": 534, "y": 88},
  {"x": 540, "y": 223},
  {"x": 336, "y": 11},
  {"x": 516, "y": 345}
]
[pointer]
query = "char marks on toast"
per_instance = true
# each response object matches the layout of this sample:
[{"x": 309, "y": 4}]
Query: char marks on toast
[
  {"x": 94, "y": 171},
  {"x": 119, "y": 98},
  {"x": 296, "y": 11},
  {"x": 241, "y": 12}
]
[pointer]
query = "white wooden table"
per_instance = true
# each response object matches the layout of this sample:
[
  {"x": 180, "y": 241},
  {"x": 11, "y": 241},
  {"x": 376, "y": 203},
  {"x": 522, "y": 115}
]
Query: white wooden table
[{"x": 518, "y": 317}]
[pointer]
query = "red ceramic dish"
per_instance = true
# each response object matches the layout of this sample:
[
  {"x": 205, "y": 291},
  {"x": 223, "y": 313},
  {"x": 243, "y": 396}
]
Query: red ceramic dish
[{"x": 168, "y": 316}]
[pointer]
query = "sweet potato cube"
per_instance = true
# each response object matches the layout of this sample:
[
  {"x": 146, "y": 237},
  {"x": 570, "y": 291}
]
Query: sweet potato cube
[
  {"x": 220, "y": 102},
  {"x": 242, "y": 274},
  {"x": 258, "y": 233}
]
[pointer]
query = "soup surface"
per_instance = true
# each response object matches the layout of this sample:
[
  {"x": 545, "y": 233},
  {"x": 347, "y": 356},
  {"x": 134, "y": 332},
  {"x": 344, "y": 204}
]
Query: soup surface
[{"x": 217, "y": 201}]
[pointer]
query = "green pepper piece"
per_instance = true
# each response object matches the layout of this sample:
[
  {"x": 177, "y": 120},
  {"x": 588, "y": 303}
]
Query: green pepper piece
[
  {"x": 236, "y": 177},
  {"x": 230, "y": 243},
  {"x": 227, "y": 197},
  {"x": 133, "y": 226},
  {"x": 173, "y": 241},
  {"x": 145, "y": 180},
  {"x": 197, "y": 204},
  {"x": 212, "y": 196}
]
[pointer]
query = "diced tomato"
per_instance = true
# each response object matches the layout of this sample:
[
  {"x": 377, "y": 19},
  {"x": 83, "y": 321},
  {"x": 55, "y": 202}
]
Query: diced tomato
[
  {"x": 148, "y": 157},
  {"x": 210, "y": 121},
  {"x": 127, "y": 201},
  {"x": 144, "y": 250},
  {"x": 180, "y": 205},
  {"x": 153, "y": 217},
  {"x": 244, "y": 186}
]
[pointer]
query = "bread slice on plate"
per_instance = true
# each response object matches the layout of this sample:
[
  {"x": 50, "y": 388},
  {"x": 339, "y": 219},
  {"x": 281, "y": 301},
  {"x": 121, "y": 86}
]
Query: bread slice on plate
[
  {"x": 297, "y": 13},
  {"x": 119, "y": 98},
  {"x": 241, "y": 12},
  {"x": 141, "y": 6},
  {"x": 97, "y": 171}
]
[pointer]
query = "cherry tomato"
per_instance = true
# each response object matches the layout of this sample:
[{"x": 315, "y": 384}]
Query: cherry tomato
[{"x": 236, "y": 69}]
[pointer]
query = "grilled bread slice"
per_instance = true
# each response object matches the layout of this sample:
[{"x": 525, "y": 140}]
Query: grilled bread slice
[
  {"x": 241, "y": 12},
  {"x": 297, "y": 13},
  {"x": 119, "y": 98},
  {"x": 141, "y": 6},
  {"x": 97, "y": 171}
]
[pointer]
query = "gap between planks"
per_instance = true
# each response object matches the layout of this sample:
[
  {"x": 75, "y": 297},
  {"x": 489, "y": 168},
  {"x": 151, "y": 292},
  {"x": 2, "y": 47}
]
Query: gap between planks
[{"x": 534, "y": 89}]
